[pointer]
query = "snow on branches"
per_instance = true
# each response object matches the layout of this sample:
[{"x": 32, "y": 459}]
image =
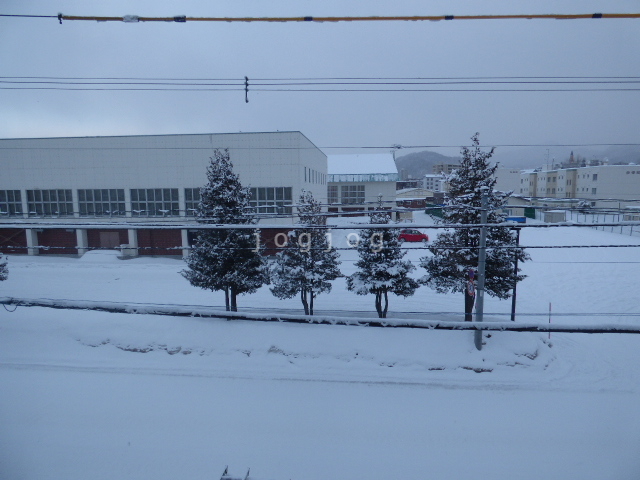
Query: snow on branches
[
  {"x": 381, "y": 269},
  {"x": 4, "y": 269},
  {"x": 455, "y": 252},
  {"x": 225, "y": 259},
  {"x": 308, "y": 263}
]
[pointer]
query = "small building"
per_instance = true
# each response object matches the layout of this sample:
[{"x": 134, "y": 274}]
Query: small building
[
  {"x": 413, "y": 197},
  {"x": 555, "y": 216},
  {"x": 434, "y": 182},
  {"x": 355, "y": 183}
]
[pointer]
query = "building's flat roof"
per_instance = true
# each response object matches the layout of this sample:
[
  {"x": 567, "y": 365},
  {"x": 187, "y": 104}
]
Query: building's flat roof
[{"x": 151, "y": 135}]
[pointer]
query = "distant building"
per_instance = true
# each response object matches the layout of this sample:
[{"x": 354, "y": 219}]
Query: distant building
[
  {"x": 445, "y": 167},
  {"x": 413, "y": 197},
  {"x": 355, "y": 182},
  {"x": 507, "y": 179},
  {"x": 64, "y": 195},
  {"x": 434, "y": 182},
  {"x": 597, "y": 185}
]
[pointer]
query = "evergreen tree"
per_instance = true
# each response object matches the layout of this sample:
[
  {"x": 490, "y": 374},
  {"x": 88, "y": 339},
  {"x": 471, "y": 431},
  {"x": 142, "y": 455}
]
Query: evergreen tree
[
  {"x": 4, "y": 269},
  {"x": 381, "y": 269},
  {"x": 455, "y": 251},
  {"x": 225, "y": 259},
  {"x": 308, "y": 263}
]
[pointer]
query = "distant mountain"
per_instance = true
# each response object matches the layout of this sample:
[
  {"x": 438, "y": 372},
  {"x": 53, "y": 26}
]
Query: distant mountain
[{"x": 417, "y": 164}]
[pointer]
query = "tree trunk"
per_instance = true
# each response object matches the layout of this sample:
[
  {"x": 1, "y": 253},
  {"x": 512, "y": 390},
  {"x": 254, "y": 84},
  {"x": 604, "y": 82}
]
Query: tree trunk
[
  {"x": 379, "y": 303},
  {"x": 469, "y": 300},
  {"x": 233, "y": 295},
  {"x": 386, "y": 304},
  {"x": 226, "y": 298},
  {"x": 303, "y": 299},
  {"x": 311, "y": 303}
]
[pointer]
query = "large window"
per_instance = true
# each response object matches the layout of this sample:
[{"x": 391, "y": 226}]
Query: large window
[
  {"x": 104, "y": 202},
  {"x": 50, "y": 203},
  {"x": 192, "y": 199},
  {"x": 154, "y": 202},
  {"x": 10, "y": 203},
  {"x": 352, "y": 194},
  {"x": 276, "y": 200},
  {"x": 332, "y": 194}
]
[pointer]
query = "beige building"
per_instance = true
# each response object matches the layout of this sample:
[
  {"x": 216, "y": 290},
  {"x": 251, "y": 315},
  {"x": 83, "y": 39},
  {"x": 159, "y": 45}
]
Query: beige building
[
  {"x": 446, "y": 168},
  {"x": 598, "y": 185}
]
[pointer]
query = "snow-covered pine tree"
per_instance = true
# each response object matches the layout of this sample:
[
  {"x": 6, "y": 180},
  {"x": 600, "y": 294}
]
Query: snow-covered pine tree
[
  {"x": 225, "y": 259},
  {"x": 308, "y": 263},
  {"x": 381, "y": 269},
  {"x": 4, "y": 269},
  {"x": 455, "y": 251}
]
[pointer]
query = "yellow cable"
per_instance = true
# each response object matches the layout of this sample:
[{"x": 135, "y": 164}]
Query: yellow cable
[{"x": 360, "y": 19}]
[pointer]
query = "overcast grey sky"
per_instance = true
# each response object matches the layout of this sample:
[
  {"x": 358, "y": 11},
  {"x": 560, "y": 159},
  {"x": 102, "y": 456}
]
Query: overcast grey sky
[{"x": 495, "y": 48}]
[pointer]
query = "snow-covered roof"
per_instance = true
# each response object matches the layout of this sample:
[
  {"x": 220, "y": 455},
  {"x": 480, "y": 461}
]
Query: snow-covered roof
[{"x": 365, "y": 163}]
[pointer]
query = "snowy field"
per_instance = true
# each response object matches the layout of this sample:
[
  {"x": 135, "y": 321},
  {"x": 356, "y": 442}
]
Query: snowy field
[{"x": 102, "y": 396}]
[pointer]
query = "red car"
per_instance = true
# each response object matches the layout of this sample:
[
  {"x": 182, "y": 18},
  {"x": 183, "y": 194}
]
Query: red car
[{"x": 409, "y": 235}]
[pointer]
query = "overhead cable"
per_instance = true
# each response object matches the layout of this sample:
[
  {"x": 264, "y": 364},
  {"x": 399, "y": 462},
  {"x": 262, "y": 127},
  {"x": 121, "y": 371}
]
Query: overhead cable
[{"x": 336, "y": 19}]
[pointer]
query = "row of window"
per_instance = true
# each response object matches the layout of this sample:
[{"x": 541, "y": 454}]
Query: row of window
[
  {"x": 313, "y": 176},
  {"x": 349, "y": 194},
  {"x": 145, "y": 202},
  {"x": 276, "y": 200},
  {"x": 554, "y": 179}
]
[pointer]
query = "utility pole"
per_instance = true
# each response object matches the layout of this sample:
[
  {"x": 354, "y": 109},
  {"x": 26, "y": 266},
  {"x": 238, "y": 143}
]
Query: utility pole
[
  {"x": 482, "y": 263},
  {"x": 515, "y": 274}
]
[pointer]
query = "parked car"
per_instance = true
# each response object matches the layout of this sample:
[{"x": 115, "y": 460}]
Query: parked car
[{"x": 410, "y": 235}]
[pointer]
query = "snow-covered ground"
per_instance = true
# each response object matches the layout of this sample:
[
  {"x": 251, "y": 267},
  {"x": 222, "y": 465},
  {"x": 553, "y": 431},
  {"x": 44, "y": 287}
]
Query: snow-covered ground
[{"x": 100, "y": 395}]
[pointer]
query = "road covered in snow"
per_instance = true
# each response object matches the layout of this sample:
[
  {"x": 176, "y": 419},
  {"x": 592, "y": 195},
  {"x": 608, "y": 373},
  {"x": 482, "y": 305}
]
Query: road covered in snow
[{"x": 108, "y": 395}]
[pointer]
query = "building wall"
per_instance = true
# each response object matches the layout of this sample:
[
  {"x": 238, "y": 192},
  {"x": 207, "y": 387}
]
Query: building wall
[
  {"x": 57, "y": 241},
  {"x": 433, "y": 182},
  {"x": 280, "y": 159},
  {"x": 528, "y": 184},
  {"x": 13, "y": 240},
  {"x": 162, "y": 163},
  {"x": 104, "y": 238},
  {"x": 599, "y": 185},
  {"x": 372, "y": 190},
  {"x": 445, "y": 167},
  {"x": 507, "y": 179},
  {"x": 159, "y": 242}
]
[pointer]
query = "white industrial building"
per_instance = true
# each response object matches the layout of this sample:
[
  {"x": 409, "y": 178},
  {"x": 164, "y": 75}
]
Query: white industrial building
[{"x": 93, "y": 183}]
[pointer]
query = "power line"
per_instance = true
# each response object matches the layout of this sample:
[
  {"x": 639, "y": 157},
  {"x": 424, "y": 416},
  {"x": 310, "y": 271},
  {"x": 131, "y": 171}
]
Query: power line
[
  {"x": 416, "y": 84},
  {"x": 321, "y": 81},
  {"x": 329, "y": 79},
  {"x": 335, "y": 19}
]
